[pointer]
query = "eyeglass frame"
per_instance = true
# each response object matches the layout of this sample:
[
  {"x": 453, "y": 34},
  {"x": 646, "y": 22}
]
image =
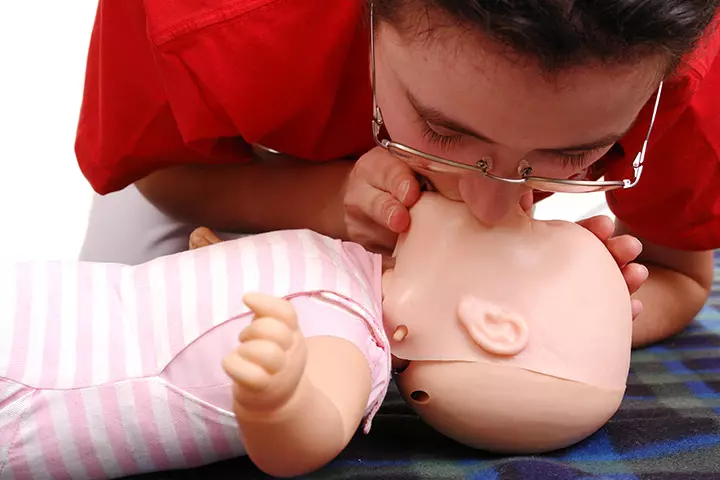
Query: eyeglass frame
[{"x": 483, "y": 165}]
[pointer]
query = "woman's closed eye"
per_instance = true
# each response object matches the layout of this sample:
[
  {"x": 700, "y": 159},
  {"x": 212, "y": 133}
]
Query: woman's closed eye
[
  {"x": 577, "y": 160},
  {"x": 447, "y": 139},
  {"x": 444, "y": 141}
]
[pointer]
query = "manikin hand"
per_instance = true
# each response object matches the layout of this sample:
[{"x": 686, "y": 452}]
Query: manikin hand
[
  {"x": 269, "y": 363},
  {"x": 202, "y": 237}
]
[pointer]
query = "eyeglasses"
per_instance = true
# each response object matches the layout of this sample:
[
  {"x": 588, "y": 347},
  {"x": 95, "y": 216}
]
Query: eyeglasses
[{"x": 428, "y": 163}]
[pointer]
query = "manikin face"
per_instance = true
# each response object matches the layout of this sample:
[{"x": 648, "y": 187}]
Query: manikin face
[{"x": 460, "y": 96}]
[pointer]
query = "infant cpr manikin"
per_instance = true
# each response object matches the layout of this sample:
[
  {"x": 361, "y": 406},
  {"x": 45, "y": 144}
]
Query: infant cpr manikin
[{"x": 514, "y": 338}]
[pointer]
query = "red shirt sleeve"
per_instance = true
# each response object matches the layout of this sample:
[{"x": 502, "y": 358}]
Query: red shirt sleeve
[
  {"x": 196, "y": 81},
  {"x": 127, "y": 128},
  {"x": 676, "y": 204}
]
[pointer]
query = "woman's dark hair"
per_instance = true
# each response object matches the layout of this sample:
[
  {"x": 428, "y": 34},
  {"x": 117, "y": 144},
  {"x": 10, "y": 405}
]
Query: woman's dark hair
[{"x": 566, "y": 33}]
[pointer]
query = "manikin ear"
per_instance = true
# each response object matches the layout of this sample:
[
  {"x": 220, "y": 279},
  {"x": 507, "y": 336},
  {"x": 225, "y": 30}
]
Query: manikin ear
[{"x": 492, "y": 328}]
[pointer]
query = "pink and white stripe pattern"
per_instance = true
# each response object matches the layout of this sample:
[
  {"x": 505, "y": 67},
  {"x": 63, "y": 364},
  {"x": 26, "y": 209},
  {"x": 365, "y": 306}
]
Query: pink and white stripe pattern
[{"x": 83, "y": 347}]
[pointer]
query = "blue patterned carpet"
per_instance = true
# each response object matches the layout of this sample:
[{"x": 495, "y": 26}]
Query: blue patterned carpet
[{"x": 668, "y": 428}]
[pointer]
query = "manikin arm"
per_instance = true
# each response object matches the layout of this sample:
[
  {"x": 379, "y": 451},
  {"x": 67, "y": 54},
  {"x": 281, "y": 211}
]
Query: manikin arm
[{"x": 298, "y": 401}]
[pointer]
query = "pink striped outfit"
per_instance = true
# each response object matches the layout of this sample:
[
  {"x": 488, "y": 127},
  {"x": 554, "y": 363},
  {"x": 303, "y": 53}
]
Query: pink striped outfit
[{"x": 108, "y": 370}]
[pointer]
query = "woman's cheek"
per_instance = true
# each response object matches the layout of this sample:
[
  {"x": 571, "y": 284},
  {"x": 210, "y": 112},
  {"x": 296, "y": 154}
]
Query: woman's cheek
[{"x": 407, "y": 133}]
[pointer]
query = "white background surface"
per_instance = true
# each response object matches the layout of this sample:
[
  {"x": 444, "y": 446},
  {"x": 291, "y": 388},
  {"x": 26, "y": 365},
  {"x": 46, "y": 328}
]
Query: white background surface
[{"x": 44, "y": 200}]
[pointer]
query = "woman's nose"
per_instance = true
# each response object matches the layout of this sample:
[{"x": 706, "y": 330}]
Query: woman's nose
[{"x": 489, "y": 200}]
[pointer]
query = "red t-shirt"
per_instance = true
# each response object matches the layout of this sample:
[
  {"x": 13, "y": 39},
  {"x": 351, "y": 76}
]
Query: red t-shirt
[{"x": 173, "y": 82}]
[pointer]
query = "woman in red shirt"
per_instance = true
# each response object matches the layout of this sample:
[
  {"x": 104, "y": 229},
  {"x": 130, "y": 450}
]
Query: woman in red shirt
[{"x": 178, "y": 92}]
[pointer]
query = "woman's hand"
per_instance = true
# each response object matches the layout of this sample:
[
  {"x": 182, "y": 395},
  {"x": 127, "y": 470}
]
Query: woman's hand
[
  {"x": 625, "y": 249},
  {"x": 378, "y": 193}
]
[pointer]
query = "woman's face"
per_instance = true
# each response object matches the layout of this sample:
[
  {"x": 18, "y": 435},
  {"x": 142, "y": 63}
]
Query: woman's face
[{"x": 459, "y": 97}]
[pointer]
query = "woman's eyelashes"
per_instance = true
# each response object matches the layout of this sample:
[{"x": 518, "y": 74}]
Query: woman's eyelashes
[
  {"x": 574, "y": 160},
  {"x": 445, "y": 141},
  {"x": 437, "y": 139}
]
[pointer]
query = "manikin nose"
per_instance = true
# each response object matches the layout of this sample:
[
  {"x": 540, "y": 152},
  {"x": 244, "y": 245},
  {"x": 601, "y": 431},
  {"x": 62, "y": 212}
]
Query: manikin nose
[{"x": 489, "y": 200}]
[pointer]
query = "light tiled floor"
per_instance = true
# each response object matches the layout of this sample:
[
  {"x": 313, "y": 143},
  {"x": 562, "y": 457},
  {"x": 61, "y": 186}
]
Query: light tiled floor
[{"x": 44, "y": 200}]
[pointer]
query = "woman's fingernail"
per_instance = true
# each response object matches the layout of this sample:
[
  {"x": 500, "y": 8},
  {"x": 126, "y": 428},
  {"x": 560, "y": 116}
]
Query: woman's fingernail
[
  {"x": 404, "y": 189},
  {"x": 390, "y": 215}
]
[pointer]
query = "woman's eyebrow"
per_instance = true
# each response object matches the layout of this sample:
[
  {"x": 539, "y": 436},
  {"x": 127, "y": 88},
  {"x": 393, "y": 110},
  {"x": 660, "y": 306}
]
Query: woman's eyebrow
[{"x": 438, "y": 118}]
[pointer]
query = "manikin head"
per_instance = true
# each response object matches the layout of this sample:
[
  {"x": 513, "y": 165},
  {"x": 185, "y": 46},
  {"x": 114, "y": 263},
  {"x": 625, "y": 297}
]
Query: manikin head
[
  {"x": 510, "y": 338},
  {"x": 550, "y": 85}
]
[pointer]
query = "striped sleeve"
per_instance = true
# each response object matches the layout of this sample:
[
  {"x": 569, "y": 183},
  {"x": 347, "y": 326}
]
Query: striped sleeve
[{"x": 80, "y": 395}]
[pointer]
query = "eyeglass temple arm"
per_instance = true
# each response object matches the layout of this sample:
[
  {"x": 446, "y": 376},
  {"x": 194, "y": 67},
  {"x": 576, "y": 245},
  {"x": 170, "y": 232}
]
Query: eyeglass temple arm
[
  {"x": 640, "y": 157},
  {"x": 377, "y": 119}
]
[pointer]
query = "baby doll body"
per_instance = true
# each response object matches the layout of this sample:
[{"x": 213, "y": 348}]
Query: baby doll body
[{"x": 108, "y": 370}]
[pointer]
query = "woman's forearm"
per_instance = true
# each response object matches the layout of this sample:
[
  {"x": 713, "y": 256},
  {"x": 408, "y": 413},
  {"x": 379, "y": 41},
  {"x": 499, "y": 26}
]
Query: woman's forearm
[
  {"x": 670, "y": 302},
  {"x": 253, "y": 197}
]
